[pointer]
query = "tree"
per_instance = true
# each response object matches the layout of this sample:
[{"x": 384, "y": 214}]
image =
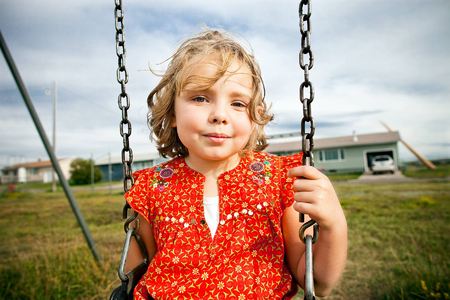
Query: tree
[{"x": 80, "y": 172}]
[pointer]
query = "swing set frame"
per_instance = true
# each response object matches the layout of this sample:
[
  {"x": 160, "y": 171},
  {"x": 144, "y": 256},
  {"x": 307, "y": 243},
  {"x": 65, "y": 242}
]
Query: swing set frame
[{"x": 56, "y": 167}]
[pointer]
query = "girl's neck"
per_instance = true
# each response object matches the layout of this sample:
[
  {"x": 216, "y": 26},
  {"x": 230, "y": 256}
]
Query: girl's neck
[{"x": 212, "y": 168}]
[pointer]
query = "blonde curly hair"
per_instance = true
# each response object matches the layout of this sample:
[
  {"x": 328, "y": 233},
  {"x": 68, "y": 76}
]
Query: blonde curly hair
[{"x": 161, "y": 100}]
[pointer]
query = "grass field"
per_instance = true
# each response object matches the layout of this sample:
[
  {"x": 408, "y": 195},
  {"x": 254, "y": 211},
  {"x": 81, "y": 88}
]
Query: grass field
[{"x": 399, "y": 241}]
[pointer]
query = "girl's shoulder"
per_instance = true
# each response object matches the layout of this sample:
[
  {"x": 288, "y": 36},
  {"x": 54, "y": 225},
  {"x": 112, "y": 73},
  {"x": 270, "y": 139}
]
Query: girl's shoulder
[
  {"x": 158, "y": 177},
  {"x": 284, "y": 161},
  {"x": 163, "y": 168},
  {"x": 292, "y": 160}
]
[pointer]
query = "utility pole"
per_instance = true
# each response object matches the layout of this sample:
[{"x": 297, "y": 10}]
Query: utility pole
[
  {"x": 54, "y": 133},
  {"x": 110, "y": 173},
  {"x": 53, "y": 93},
  {"x": 92, "y": 171}
]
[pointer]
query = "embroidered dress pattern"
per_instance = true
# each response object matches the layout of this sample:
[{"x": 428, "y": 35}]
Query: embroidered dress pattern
[
  {"x": 160, "y": 176},
  {"x": 261, "y": 174},
  {"x": 245, "y": 260}
]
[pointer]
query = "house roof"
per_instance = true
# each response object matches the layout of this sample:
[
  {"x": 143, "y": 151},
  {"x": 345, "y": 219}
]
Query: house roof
[
  {"x": 118, "y": 158},
  {"x": 293, "y": 142},
  {"x": 33, "y": 164}
]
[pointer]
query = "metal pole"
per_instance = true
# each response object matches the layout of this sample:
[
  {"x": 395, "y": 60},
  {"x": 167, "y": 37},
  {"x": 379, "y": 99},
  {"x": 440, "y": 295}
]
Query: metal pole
[{"x": 27, "y": 99}]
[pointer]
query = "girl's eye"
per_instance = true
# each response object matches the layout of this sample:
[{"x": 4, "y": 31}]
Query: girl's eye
[
  {"x": 199, "y": 99},
  {"x": 239, "y": 104}
]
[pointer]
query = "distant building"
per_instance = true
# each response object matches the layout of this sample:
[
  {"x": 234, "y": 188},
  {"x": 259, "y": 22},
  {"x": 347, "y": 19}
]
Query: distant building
[
  {"x": 352, "y": 153},
  {"x": 112, "y": 169},
  {"x": 38, "y": 171}
]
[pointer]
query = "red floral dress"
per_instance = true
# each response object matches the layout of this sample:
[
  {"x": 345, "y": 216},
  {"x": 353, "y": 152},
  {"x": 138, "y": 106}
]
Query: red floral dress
[{"x": 245, "y": 260}]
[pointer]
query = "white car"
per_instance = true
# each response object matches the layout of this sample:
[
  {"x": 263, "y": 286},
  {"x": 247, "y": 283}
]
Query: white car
[{"x": 383, "y": 163}]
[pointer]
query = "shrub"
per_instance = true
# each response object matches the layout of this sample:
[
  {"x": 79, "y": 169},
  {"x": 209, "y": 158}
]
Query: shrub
[{"x": 81, "y": 172}]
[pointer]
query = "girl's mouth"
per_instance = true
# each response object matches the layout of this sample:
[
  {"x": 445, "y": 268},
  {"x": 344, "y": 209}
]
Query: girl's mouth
[{"x": 216, "y": 137}]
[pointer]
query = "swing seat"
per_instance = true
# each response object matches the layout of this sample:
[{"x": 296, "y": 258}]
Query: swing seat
[
  {"x": 130, "y": 279},
  {"x": 125, "y": 290}
]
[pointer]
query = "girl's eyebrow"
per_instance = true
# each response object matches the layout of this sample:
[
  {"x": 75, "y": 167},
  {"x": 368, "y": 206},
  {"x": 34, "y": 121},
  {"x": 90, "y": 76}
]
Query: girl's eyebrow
[
  {"x": 195, "y": 87},
  {"x": 240, "y": 95},
  {"x": 192, "y": 88}
]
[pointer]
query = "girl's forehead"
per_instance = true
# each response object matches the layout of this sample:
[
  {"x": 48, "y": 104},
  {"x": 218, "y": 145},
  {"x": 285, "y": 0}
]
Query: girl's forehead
[{"x": 211, "y": 66}]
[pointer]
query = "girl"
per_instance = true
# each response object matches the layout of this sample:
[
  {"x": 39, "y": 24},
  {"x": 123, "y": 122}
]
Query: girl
[{"x": 220, "y": 220}]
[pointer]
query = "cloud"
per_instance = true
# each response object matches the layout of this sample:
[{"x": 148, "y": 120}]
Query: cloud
[{"x": 374, "y": 61}]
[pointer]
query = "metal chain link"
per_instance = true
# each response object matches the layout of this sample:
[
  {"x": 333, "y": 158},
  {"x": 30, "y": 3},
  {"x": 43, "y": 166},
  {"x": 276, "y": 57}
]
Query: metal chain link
[
  {"x": 306, "y": 61},
  {"x": 124, "y": 105},
  {"x": 306, "y": 90}
]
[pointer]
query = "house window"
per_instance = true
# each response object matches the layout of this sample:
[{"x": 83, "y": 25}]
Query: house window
[{"x": 331, "y": 154}]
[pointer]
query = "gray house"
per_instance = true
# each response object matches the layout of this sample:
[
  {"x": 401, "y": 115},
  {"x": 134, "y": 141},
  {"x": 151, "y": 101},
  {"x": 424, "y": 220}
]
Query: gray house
[
  {"x": 352, "y": 153},
  {"x": 111, "y": 167}
]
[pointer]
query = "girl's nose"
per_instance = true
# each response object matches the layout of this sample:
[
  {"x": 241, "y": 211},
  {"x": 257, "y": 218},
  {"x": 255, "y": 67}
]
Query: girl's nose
[{"x": 218, "y": 115}]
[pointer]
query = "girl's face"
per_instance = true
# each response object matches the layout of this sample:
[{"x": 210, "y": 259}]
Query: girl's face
[{"x": 214, "y": 124}]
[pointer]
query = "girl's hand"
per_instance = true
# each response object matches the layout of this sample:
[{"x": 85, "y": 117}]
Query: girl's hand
[{"x": 314, "y": 195}]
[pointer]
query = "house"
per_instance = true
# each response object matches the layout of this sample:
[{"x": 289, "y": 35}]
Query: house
[
  {"x": 112, "y": 169},
  {"x": 353, "y": 153},
  {"x": 38, "y": 171}
]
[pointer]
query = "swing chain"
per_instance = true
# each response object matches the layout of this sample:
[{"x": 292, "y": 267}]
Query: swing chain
[
  {"x": 306, "y": 62},
  {"x": 124, "y": 105},
  {"x": 123, "y": 99},
  {"x": 306, "y": 86},
  {"x": 129, "y": 278},
  {"x": 307, "y": 137}
]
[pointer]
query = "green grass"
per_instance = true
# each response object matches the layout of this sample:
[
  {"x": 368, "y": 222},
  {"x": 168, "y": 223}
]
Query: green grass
[
  {"x": 334, "y": 177},
  {"x": 43, "y": 249},
  {"x": 398, "y": 242},
  {"x": 419, "y": 171},
  {"x": 398, "y": 237}
]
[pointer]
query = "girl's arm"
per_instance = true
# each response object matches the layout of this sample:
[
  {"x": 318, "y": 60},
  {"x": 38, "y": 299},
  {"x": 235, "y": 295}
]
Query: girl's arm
[
  {"x": 315, "y": 196},
  {"x": 135, "y": 257},
  {"x": 145, "y": 231}
]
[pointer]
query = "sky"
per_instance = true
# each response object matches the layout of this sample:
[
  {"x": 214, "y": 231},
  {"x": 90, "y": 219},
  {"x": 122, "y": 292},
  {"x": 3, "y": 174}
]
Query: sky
[{"x": 386, "y": 60}]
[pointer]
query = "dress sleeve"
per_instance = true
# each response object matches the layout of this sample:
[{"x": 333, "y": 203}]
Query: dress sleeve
[
  {"x": 139, "y": 196},
  {"x": 287, "y": 192}
]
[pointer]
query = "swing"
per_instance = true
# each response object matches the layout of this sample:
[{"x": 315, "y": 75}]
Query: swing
[{"x": 133, "y": 244}]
